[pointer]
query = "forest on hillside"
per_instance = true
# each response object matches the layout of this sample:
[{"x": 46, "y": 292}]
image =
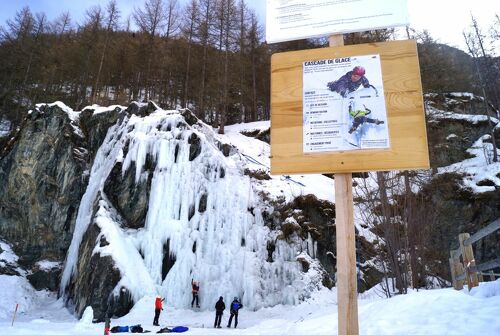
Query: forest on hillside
[{"x": 207, "y": 55}]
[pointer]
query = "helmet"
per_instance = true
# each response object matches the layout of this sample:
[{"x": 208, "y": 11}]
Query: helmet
[
  {"x": 358, "y": 70},
  {"x": 236, "y": 298}
]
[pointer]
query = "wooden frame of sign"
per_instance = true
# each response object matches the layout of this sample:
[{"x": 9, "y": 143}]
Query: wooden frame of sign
[{"x": 404, "y": 105}]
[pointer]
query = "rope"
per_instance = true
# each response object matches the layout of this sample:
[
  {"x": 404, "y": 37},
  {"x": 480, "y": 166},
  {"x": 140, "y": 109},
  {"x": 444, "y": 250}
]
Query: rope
[
  {"x": 287, "y": 178},
  {"x": 253, "y": 160}
]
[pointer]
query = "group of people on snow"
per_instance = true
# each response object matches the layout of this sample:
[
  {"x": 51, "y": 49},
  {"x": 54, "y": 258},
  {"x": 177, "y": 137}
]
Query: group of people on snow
[{"x": 220, "y": 306}]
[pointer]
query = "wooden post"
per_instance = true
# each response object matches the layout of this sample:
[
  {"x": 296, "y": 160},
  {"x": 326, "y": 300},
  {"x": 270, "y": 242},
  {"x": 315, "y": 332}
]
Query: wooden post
[
  {"x": 347, "y": 300},
  {"x": 453, "y": 273},
  {"x": 456, "y": 270},
  {"x": 480, "y": 277},
  {"x": 492, "y": 275},
  {"x": 346, "y": 256},
  {"x": 468, "y": 257},
  {"x": 336, "y": 40},
  {"x": 107, "y": 324}
]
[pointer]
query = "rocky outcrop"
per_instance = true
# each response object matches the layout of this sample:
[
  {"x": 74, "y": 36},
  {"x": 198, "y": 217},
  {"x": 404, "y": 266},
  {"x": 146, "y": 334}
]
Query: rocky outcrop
[
  {"x": 96, "y": 279},
  {"x": 95, "y": 126},
  {"x": 308, "y": 217},
  {"x": 42, "y": 178},
  {"x": 130, "y": 198},
  {"x": 45, "y": 279},
  {"x": 449, "y": 138}
]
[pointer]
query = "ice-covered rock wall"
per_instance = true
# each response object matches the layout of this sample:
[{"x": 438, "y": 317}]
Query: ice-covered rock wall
[{"x": 202, "y": 220}]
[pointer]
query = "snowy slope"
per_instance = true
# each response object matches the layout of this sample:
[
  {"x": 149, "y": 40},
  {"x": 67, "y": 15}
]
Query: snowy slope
[
  {"x": 481, "y": 167},
  {"x": 432, "y": 312}
]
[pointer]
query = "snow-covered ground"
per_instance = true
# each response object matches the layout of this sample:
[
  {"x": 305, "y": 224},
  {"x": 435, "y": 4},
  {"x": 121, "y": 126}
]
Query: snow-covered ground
[{"x": 431, "y": 312}]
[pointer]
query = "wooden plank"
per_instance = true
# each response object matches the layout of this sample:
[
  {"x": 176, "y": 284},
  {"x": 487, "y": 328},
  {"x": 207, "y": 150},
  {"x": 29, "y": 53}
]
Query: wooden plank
[
  {"x": 456, "y": 253},
  {"x": 346, "y": 256},
  {"x": 456, "y": 270},
  {"x": 469, "y": 261},
  {"x": 495, "y": 263},
  {"x": 492, "y": 227},
  {"x": 403, "y": 95}
]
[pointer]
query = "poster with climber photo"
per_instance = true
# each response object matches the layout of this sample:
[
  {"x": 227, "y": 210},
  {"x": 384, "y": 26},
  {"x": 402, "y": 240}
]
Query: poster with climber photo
[{"x": 343, "y": 105}]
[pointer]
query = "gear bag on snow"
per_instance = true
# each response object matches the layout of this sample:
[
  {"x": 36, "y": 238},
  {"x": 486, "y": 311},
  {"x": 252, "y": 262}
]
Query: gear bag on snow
[
  {"x": 178, "y": 329},
  {"x": 119, "y": 329}
]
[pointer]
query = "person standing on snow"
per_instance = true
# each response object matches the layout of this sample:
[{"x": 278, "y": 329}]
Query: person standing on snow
[
  {"x": 158, "y": 309},
  {"x": 235, "y": 306},
  {"x": 220, "y": 306},
  {"x": 350, "y": 82},
  {"x": 195, "y": 288}
]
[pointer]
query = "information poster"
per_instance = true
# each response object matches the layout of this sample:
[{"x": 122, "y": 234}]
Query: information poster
[
  {"x": 288, "y": 20},
  {"x": 343, "y": 105}
]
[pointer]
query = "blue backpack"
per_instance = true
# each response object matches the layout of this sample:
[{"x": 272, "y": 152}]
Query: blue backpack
[
  {"x": 235, "y": 305},
  {"x": 119, "y": 329},
  {"x": 179, "y": 329}
]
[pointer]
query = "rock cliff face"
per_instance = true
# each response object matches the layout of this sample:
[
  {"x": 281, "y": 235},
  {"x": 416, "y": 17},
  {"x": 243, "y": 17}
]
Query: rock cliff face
[{"x": 42, "y": 179}]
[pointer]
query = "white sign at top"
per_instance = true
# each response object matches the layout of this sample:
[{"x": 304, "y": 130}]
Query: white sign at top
[{"x": 288, "y": 20}]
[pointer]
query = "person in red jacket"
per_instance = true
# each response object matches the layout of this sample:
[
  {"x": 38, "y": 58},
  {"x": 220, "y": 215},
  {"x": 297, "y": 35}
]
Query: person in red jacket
[
  {"x": 195, "y": 286},
  {"x": 158, "y": 309}
]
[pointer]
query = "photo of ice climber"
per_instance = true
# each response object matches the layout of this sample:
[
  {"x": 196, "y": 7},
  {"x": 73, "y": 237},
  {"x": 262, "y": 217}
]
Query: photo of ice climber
[
  {"x": 350, "y": 82},
  {"x": 360, "y": 117}
]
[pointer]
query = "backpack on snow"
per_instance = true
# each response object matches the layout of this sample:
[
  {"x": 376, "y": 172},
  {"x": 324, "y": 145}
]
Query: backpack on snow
[
  {"x": 119, "y": 329},
  {"x": 136, "y": 329},
  {"x": 179, "y": 329}
]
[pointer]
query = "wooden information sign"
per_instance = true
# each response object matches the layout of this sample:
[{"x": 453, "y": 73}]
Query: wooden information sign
[{"x": 405, "y": 119}]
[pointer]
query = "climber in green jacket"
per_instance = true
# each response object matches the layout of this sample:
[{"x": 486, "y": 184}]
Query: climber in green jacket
[{"x": 360, "y": 117}]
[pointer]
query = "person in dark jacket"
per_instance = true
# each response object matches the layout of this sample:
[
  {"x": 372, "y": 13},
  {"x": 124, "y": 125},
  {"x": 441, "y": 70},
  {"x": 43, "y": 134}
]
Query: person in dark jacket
[
  {"x": 195, "y": 288},
  {"x": 350, "y": 82},
  {"x": 235, "y": 307},
  {"x": 158, "y": 309},
  {"x": 220, "y": 306}
]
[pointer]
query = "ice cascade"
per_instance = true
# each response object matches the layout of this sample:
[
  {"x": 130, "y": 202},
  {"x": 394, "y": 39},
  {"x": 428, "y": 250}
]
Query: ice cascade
[{"x": 203, "y": 212}]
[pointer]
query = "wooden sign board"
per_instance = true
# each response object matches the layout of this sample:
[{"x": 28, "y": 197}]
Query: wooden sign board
[
  {"x": 404, "y": 105},
  {"x": 297, "y": 19}
]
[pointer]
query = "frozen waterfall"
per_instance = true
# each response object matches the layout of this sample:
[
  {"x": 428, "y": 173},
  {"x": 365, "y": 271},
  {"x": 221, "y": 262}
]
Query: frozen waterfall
[{"x": 204, "y": 213}]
